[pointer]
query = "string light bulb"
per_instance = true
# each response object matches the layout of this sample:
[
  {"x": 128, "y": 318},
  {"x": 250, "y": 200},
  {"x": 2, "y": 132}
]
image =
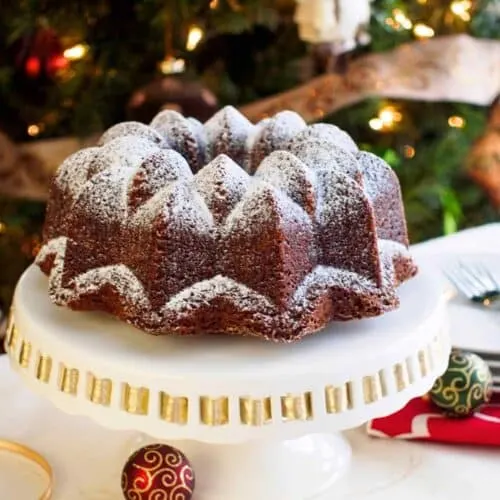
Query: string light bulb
[
  {"x": 376, "y": 124},
  {"x": 172, "y": 66},
  {"x": 33, "y": 130},
  {"x": 409, "y": 151},
  {"x": 423, "y": 31},
  {"x": 77, "y": 52},
  {"x": 456, "y": 121},
  {"x": 401, "y": 18},
  {"x": 194, "y": 37},
  {"x": 387, "y": 117},
  {"x": 461, "y": 8}
]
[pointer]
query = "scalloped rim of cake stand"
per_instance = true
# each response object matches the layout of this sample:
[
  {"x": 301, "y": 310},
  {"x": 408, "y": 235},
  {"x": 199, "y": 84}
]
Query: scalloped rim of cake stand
[{"x": 91, "y": 364}]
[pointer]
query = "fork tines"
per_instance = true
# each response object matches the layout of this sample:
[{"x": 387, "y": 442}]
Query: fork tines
[{"x": 474, "y": 280}]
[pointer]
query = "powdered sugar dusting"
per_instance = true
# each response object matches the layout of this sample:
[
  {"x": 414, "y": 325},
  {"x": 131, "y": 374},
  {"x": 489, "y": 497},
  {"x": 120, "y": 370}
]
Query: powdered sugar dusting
[
  {"x": 260, "y": 205},
  {"x": 255, "y": 132},
  {"x": 228, "y": 118},
  {"x": 340, "y": 197},
  {"x": 331, "y": 134},
  {"x": 221, "y": 183},
  {"x": 279, "y": 129},
  {"x": 133, "y": 179},
  {"x": 120, "y": 278},
  {"x": 286, "y": 172},
  {"x": 205, "y": 291},
  {"x": 378, "y": 175},
  {"x": 227, "y": 132},
  {"x": 73, "y": 172},
  {"x": 105, "y": 195},
  {"x": 284, "y": 125},
  {"x": 156, "y": 172},
  {"x": 174, "y": 127},
  {"x": 127, "y": 152},
  {"x": 318, "y": 154},
  {"x": 130, "y": 129},
  {"x": 178, "y": 200},
  {"x": 323, "y": 278}
]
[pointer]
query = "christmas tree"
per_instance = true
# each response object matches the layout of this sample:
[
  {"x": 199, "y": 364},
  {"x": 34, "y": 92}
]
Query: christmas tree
[{"x": 71, "y": 69}]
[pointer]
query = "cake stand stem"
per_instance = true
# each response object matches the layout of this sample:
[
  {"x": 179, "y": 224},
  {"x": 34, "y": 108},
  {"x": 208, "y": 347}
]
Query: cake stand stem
[{"x": 305, "y": 468}]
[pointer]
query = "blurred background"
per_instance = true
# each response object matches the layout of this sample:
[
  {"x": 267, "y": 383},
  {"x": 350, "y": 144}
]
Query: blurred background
[{"x": 414, "y": 81}]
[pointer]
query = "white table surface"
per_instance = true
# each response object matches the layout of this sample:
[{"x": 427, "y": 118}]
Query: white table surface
[{"x": 83, "y": 454}]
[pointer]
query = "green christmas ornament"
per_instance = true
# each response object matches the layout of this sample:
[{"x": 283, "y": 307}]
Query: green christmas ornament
[{"x": 464, "y": 387}]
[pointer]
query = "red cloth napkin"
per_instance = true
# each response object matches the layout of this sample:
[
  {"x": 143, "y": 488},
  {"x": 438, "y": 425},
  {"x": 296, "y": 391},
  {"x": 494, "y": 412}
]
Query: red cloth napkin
[{"x": 420, "y": 419}]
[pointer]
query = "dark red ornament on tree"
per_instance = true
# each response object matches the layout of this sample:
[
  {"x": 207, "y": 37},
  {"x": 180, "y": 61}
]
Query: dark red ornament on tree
[
  {"x": 40, "y": 54},
  {"x": 33, "y": 67},
  {"x": 158, "y": 468}
]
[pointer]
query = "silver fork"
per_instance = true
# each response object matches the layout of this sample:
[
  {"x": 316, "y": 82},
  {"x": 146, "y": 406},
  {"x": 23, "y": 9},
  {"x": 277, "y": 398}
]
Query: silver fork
[{"x": 475, "y": 282}]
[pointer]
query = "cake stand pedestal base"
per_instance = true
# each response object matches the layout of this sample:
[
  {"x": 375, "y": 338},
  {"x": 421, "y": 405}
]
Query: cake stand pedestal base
[
  {"x": 256, "y": 420},
  {"x": 304, "y": 468}
]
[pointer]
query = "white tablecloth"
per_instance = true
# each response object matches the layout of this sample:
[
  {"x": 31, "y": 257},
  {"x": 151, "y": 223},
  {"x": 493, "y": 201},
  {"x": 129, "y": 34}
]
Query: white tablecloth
[{"x": 84, "y": 455}]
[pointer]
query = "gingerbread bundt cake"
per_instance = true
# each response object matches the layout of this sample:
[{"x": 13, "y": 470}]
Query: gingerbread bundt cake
[{"x": 270, "y": 230}]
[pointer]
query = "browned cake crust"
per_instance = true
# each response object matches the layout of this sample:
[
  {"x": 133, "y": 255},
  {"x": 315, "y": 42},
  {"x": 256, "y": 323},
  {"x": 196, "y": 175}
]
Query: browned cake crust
[{"x": 164, "y": 227}]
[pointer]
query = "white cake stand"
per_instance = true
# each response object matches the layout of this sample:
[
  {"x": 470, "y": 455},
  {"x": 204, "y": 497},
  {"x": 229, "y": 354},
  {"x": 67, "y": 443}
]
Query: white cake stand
[{"x": 257, "y": 420}]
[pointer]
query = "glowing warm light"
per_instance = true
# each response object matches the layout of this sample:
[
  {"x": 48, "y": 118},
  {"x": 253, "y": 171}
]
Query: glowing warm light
[
  {"x": 390, "y": 22},
  {"x": 214, "y": 4},
  {"x": 461, "y": 9},
  {"x": 194, "y": 36},
  {"x": 422, "y": 2},
  {"x": 456, "y": 122},
  {"x": 33, "y": 130},
  {"x": 389, "y": 115},
  {"x": 172, "y": 65},
  {"x": 409, "y": 151},
  {"x": 400, "y": 17},
  {"x": 76, "y": 52},
  {"x": 423, "y": 31},
  {"x": 3, "y": 227},
  {"x": 376, "y": 124}
]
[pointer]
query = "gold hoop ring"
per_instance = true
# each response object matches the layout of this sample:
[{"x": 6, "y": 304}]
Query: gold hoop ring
[{"x": 32, "y": 456}]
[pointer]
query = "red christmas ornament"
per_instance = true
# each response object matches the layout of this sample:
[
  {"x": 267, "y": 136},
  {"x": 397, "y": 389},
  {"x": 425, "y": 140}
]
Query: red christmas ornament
[
  {"x": 55, "y": 64},
  {"x": 33, "y": 66},
  {"x": 158, "y": 468},
  {"x": 40, "y": 54}
]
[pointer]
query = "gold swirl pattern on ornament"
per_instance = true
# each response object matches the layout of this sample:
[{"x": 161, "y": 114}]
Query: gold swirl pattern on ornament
[
  {"x": 159, "y": 478},
  {"x": 215, "y": 411},
  {"x": 462, "y": 370}
]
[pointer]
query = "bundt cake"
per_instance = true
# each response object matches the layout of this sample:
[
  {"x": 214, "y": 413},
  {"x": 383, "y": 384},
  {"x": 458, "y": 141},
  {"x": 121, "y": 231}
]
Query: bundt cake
[{"x": 271, "y": 230}]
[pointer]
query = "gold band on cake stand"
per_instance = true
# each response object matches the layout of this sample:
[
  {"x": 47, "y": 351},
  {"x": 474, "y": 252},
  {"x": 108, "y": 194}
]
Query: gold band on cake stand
[
  {"x": 34, "y": 457},
  {"x": 240, "y": 405}
]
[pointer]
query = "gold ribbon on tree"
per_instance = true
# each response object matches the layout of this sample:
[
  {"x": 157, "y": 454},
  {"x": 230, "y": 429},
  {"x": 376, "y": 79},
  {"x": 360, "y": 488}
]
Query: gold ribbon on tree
[{"x": 450, "y": 68}]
